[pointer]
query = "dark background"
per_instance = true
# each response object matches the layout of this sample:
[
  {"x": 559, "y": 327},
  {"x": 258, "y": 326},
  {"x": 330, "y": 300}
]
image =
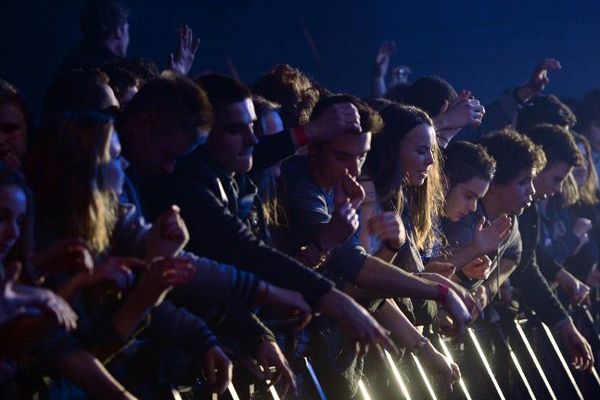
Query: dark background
[{"x": 483, "y": 46}]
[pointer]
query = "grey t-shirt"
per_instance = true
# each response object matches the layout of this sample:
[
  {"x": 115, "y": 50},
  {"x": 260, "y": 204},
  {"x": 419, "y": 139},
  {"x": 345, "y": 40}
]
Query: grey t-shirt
[
  {"x": 459, "y": 234},
  {"x": 308, "y": 209}
]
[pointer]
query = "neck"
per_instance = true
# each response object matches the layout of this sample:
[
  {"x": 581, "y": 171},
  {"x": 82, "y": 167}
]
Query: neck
[
  {"x": 315, "y": 172},
  {"x": 492, "y": 208}
]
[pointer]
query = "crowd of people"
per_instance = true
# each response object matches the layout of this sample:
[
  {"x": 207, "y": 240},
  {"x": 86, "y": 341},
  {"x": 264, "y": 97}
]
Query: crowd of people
[{"x": 288, "y": 221}]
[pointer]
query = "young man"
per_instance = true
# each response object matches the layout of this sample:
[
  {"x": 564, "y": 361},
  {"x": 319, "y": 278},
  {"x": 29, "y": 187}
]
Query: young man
[
  {"x": 105, "y": 29},
  {"x": 518, "y": 162},
  {"x": 320, "y": 197},
  {"x": 215, "y": 196}
]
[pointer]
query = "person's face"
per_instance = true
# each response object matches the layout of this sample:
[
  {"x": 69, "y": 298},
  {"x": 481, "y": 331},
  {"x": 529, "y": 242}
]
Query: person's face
[
  {"x": 231, "y": 141},
  {"x": 347, "y": 152},
  {"x": 550, "y": 180},
  {"x": 514, "y": 196},
  {"x": 123, "y": 40},
  {"x": 110, "y": 100},
  {"x": 594, "y": 137},
  {"x": 13, "y": 131},
  {"x": 114, "y": 170},
  {"x": 272, "y": 124},
  {"x": 462, "y": 198},
  {"x": 581, "y": 173},
  {"x": 13, "y": 208},
  {"x": 127, "y": 94},
  {"x": 157, "y": 147},
  {"x": 416, "y": 154}
]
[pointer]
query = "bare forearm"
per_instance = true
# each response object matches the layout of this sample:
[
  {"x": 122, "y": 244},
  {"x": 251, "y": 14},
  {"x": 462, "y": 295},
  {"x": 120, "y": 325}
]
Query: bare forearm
[
  {"x": 127, "y": 318},
  {"x": 393, "y": 319},
  {"x": 461, "y": 256},
  {"x": 89, "y": 374},
  {"x": 381, "y": 277}
]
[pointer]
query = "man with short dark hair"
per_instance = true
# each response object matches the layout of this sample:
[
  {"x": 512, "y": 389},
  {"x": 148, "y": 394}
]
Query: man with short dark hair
[
  {"x": 215, "y": 195},
  {"x": 105, "y": 28}
]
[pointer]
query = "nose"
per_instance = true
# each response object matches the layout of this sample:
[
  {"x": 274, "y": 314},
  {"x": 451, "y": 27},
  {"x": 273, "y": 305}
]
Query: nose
[
  {"x": 530, "y": 190},
  {"x": 250, "y": 138},
  {"x": 473, "y": 206},
  {"x": 124, "y": 163},
  {"x": 354, "y": 168},
  {"x": 429, "y": 159}
]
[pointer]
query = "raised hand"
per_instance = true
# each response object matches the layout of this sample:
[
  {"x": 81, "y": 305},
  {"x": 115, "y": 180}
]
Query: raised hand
[
  {"x": 389, "y": 228},
  {"x": 71, "y": 255},
  {"x": 183, "y": 59},
  {"x": 382, "y": 60},
  {"x": 464, "y": 111},
  {"x": 478, "y": 268},
  {"x": 488, "y": 238},
  {"x": 168, "y": 236},
  {"x": 338, "y": 119},
  {"x": 539, "y": 79}
]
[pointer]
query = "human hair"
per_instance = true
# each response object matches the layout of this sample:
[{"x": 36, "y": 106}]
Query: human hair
[
  {"x": 223, "y": 91},
  {"x": 79, "y": 90},
  {"x": 262, "y": 106},
  {"x": 429, "y": 94},
  {"x": 11, "y": 95},
  {"x": 426, "y": 201},
  {"x": 397, "y": 92},
  {"x": 465, "y": 161},
  {"x": 513, "y": 153},
  {"x": 293, "y": 89},
  {"x": 558, "y": 144},
  {"x": 588, "y": 193},
  {"x": 120, "y": 79},
  {"x": 370, "y": 120},
  {"x": 98, "y": 18},
  {"x": 24, "y": 243},
  {"x": 588, "y": 111},
  {"x": 170, "y": 99},
  {"x": 67, "y": 174},
  {"x": 265, "y": 179},
  {"x": 378, "y": 103},
  {"x": 544, "y": 109},
  {"x": 143, "y": 69}
]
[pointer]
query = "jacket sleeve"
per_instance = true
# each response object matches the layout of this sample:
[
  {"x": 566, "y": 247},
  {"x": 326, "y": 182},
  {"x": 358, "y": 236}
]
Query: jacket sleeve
[
  {"x": 174, "y": 325},
  {"x": 218, "y": 234},
  {"x": 217, "y": 282},
  {"x": 537, "y": 294}
]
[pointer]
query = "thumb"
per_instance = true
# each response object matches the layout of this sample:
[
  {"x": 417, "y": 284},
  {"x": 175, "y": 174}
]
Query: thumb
[
  {"x": 340, "y": 196},
  {"x": 480, "y": 224}
]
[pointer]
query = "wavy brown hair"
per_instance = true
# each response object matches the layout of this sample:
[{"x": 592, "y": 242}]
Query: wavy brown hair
[
  {"x": 66, "y": 174},
  {"x": 588, "y": 193},
  {"x": 425, "y": 202}
]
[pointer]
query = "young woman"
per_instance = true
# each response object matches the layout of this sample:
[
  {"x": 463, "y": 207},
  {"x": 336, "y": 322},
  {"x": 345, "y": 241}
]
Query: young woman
[
  {"x": 15, "y": 122},
  {"x": 405, "y": 185}
]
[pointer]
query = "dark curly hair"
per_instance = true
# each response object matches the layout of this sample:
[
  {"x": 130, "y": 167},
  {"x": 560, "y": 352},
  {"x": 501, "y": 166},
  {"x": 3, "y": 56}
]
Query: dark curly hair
[
  {"x": 544, "y": 109},
  {"x": 465, "y": 161}
]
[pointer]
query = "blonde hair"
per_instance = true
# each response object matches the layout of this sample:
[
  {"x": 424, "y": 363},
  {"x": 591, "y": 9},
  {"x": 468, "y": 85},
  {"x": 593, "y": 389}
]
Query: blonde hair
[{"x": 67, "y": 174}]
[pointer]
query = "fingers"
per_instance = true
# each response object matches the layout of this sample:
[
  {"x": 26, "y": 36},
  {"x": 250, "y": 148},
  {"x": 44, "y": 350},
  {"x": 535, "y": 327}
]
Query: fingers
[
  {"x": 13, "y": 271},
  {"x": 209, "y": 369}
]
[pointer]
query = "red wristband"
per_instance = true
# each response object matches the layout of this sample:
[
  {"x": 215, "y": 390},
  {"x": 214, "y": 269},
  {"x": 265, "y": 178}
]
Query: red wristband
[
  {"x": 300, "y": 135},
  {"x": 442, "y": 293}
]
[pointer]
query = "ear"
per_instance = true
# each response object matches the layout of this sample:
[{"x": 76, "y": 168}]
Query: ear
[{"x": 444, "y": 107}]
